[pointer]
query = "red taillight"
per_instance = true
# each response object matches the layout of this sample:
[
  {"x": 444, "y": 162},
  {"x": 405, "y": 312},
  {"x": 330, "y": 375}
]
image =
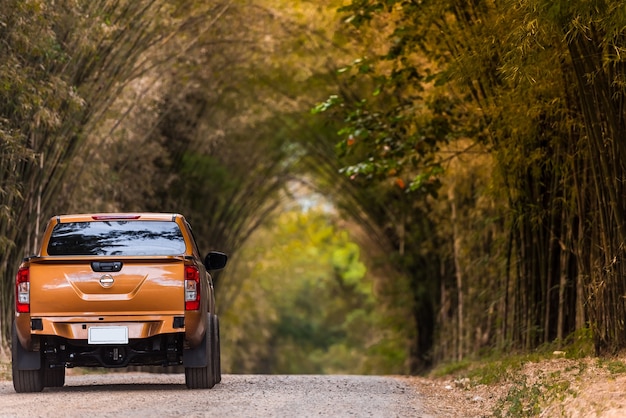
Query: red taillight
[
  {"x": 192, "y": 288},
  {"x": 22, "y": 290}
]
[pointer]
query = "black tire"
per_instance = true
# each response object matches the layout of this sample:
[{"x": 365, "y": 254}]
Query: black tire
[
  {"x": 24, "y": 381},
  {"x": 54, "y": 378},
  {"x": 202, "y": 377},
  {"x": 216, "y": 349}
]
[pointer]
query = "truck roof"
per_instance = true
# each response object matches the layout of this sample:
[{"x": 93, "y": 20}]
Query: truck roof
[{"x": 89, "y": 217}]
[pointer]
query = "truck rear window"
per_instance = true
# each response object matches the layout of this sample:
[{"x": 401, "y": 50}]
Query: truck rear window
[{"x": 121, "y": 238}]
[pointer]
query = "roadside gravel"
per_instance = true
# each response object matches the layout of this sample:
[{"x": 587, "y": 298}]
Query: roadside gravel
[{"x": 573, "y": 388}]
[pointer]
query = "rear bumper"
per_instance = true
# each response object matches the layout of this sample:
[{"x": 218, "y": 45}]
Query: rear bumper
[
  {"x": 77, "y": 328},
  {"x": 139, "y": 327},
  {"x": 30, "y": 327}
]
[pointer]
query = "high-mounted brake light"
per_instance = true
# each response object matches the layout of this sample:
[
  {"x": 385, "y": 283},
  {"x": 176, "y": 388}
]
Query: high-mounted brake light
[
  {"x": 22, "y": 290},
  {"x": 114, "y": 217},
  {"x": 192, "y": 288}
]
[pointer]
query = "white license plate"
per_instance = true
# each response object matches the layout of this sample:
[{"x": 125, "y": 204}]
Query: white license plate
[{"x": 108, "y": 335}]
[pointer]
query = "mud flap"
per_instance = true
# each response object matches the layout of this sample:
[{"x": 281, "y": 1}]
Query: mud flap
[
  {"x": 22, "y": 358},
  {"x": 196, "y": 357}
]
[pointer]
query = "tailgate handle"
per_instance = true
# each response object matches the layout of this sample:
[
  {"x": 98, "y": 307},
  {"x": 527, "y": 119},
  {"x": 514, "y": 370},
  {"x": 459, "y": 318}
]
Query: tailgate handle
[{"x": 106, "y": 266}]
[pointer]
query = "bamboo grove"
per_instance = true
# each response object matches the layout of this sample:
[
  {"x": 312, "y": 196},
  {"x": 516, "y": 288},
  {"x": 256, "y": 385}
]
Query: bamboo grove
[
  {"x": 504, "y": 124},
  {"x": 477, "y": 147}
]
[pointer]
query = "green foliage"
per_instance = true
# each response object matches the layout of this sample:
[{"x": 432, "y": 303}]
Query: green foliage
[
  {"x": 539, "y": 86},
  {"x": 536, "y": 383},
  {"x": 523, "y": 400},
  {"x": 450, "y": 368},
  {"x": 497, "y": 366},
  {"x": 390, "y": 134},
  {"x": 579, "y": 344},
  {"x": 613, "y": 366},
  {"x": 317, "y": 308},
  {"x": 529, "y": 391}
]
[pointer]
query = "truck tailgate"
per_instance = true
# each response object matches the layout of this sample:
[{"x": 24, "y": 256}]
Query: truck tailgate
[{"x": 71, "y": 287}]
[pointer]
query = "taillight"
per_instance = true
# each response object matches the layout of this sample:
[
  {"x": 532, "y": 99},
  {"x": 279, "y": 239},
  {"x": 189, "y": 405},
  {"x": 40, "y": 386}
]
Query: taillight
[
  {"x": 192, "y": 288},
  {"x": 22, "y": 290}
]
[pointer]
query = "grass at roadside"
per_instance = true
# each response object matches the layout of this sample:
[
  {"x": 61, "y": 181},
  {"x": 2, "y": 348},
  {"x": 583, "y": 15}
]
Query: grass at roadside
[
  {"x": 527, "y": 385},
  {"x": 5, "y": 371},
  {"x": 5, "y": 366}
]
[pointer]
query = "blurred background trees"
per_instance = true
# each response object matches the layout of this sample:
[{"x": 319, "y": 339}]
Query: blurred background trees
[
  {"x": 398, "y": 183},
  {"x": 529, "y": 90}
]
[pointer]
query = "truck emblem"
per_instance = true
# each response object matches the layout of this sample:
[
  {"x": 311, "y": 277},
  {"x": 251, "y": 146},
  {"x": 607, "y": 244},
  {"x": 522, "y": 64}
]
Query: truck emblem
[{"x": 106, "y": 281}]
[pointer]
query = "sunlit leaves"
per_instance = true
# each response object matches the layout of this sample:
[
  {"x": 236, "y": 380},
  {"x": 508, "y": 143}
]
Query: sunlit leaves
[
  {"x": 314, "y": 296},
  {"x": 326, "y": 105},
  {"x": 385, "y": 142},
  {"x": 428, "y": 179},
  {"x": 361, "y": 11}
]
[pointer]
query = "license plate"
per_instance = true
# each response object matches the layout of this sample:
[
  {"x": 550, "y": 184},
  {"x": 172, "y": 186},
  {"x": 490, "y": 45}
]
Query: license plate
[{"x": 108, "y": 335}]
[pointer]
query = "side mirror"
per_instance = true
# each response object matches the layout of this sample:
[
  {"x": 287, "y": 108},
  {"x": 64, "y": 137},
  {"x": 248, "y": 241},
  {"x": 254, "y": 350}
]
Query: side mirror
[{"x": 215, "y": 260}]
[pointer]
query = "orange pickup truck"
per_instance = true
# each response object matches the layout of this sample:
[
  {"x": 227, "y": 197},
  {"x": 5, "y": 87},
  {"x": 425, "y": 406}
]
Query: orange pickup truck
[{"x": 114, "y": 290}]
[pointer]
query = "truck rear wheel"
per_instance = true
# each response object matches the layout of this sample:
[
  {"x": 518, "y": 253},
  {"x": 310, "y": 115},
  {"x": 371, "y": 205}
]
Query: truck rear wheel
[
  {"x": 24, "y": 380},
  {"x": 203, "y": 377}
]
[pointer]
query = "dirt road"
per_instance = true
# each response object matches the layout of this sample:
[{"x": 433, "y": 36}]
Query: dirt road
[{"x": 160, "y": 395}]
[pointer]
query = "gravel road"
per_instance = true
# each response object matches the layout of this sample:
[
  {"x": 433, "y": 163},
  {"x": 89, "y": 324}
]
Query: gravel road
[{"x": 163, "y": 395}]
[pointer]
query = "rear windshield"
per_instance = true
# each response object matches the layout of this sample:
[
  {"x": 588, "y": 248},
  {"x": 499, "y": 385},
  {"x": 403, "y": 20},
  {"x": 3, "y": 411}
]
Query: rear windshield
[{"x": 117, "y": 238}]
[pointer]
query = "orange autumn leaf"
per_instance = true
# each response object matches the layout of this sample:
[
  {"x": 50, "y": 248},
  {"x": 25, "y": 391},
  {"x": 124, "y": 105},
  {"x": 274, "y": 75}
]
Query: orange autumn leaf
[{"x": 400, "y": 183}]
